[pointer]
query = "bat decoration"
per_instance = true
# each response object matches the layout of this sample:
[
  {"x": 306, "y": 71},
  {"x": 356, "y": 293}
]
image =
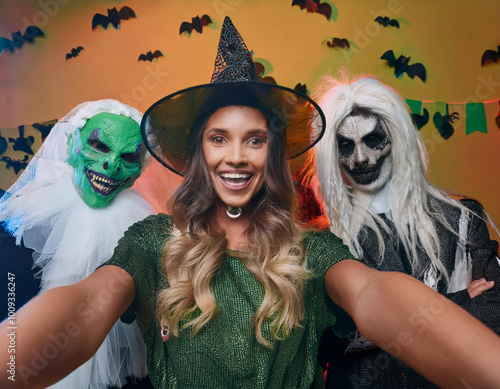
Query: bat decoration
[
  {"x": 314, "y": 6},
  {"x": 260, "y": 72},
  {"x": 45, "y": 127},
  {"x": 149, "y": 56},
  {"x": 196, "y": 24},
  {"x": 444, "y": 123},
  {"x": 497, "y": 118},
  {"x": 420, "y": 120},
  {"x": 19, "y": 40},
  {"x": 17, "y": 164},
  {"x": 401, "y": 66},
  {"x": 114, "y": 17},
  {"x": 338, "y": 42},
  {"x": 3, "y": 144},
  {"x": 74, "y": 52},
  {"x": 22, "y": 143},
  {"x": 387, "y": 21},
  {"x": 490, "y": 56},
  {"x": 302, "y": 88}
]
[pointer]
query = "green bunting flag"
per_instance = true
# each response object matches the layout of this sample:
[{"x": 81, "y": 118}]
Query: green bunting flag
[
  {"x": 475, "y": 115},
  {"x": 415, "y": 106},
  {"x": 475, "y": 118},
  {"x": 441, "y": 107}
]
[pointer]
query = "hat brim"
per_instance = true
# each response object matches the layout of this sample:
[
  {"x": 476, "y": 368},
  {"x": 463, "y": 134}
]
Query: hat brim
[{"x": 166, "y": 125}]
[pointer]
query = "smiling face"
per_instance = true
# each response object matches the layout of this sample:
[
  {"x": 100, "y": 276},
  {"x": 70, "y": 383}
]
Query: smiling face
[
  {"x": 364, "y": 152},
  {"x": 106, "y": 157},
  {"x": 235, "y": 144}
]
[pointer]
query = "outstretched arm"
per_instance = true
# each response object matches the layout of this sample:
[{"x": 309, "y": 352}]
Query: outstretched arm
[
  {"x": 62, "y": 328},
  {"x": 418, "y": 325}
]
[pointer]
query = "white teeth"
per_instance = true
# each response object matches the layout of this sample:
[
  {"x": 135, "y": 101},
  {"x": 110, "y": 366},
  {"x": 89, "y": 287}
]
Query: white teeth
[
  {"x": 235, "y": 175},
  {"x": 101, "y": 180}
]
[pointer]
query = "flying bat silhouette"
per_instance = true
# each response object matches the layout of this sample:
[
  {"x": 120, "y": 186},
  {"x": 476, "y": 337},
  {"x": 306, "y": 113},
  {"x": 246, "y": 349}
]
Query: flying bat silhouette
[
  {"x": 387, "y": 21},
  {"x": 114, "y": 17},
  {"x": 444, "y": 123},
  {"x": 338, "y": 42},
  {"x": 302, "y": 88},
  {"x": 314, "y": 6},
  {"x": 149, "y": 56},
  {"x": 259, "y": 68},
  {"x": 45, "y": 127},
  {"x": 196, "y": 24},
  {"x": 22, "y": 143},
  {"x": 74, "y": 52},
  {"x": 420, "y": 120},
  {"x": 17, "y": 164},
  {"x": 497, "y": 118},
  {"x": 3, "y": 144},
  {"x": 401, "y": 66},
  {"x": 19, "y": 40},
  {"x": 490, "y": 56}
]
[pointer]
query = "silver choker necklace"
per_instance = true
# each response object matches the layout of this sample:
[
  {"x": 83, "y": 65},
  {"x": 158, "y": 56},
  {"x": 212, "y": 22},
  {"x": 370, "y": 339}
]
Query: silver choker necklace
[{"x": 233, "y": 212}]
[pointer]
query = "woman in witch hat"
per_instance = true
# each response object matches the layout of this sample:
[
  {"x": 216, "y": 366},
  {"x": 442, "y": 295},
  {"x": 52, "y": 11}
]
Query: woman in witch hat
[{"x": 229, "y": 292}]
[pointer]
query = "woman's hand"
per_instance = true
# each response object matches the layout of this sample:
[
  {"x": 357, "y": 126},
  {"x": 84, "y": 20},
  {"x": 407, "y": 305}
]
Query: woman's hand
[{"x": 477, "y": 287}]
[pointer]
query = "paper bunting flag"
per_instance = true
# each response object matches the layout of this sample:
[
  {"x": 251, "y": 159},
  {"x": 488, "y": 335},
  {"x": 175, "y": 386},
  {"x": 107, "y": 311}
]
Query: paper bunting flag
[
  {"x": 475, "y": 118},
  {"x": 443, "y": 122},
  {"x": 473, "y": 113},
  {"x": 414, "y": 105},
  {"x": 415, "y": 108}
]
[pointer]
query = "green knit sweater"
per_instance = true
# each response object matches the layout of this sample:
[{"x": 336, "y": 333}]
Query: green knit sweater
[{"x": 225, "y": 353}]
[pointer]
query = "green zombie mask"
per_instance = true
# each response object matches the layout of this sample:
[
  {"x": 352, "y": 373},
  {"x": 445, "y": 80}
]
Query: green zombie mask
[{"x": 106, "y": 155}]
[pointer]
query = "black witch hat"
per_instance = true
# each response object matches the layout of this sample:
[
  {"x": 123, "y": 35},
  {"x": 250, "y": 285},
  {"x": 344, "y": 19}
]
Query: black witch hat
[{"x": 167, "y": 124}]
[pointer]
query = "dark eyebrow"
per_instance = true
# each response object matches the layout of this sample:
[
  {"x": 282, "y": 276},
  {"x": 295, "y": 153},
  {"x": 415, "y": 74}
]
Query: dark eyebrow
[
  {"x": 223, "y": 131},
  {"x": 258, "y": 131},
  {"x": 217, "y": 130}
]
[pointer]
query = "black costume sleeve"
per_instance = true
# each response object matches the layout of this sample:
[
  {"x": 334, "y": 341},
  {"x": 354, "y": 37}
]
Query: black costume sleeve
[{"x": 484, "y": 252}]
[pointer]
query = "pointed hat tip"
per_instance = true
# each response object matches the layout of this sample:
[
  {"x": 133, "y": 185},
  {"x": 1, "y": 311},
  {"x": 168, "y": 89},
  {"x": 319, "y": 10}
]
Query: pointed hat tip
[
  {"x": 227, "y": 24},
  {"x": 233, "y": 61}
]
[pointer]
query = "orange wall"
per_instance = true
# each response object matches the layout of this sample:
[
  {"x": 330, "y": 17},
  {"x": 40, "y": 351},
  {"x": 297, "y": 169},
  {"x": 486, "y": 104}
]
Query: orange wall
[{"x": 447, "y": 36}]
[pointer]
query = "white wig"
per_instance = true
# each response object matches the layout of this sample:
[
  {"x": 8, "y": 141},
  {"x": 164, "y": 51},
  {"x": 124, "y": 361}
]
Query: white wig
[
  {"x": 83, "y": 112},
  {"x": 409, "y": 192}
]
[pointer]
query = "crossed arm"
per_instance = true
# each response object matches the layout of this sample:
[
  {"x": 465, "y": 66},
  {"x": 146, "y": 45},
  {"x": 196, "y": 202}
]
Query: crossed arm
[
  {"x": 63, "y": 327},
  {"x": 484, "y": 290}
]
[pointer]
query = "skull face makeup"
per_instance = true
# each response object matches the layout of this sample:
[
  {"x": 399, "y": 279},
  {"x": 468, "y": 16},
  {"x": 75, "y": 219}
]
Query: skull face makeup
[
  {"x": 364, "y": 152},
  {"x": 106, "y": 157}
]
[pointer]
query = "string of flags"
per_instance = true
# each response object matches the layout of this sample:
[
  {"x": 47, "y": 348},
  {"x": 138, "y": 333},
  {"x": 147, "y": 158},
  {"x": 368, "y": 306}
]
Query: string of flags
[{"x": 446, "y": 117}]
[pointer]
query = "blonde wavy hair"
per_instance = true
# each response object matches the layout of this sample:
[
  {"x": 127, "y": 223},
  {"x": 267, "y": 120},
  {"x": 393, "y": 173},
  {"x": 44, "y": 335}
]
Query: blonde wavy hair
[{"x": 195, "y": 251}]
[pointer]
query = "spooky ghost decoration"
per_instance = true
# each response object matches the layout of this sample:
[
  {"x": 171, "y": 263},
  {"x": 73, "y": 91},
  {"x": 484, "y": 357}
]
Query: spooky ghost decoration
[
  {"x": 105, "y": 154},
  {"x": 364, "y": 151}
]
